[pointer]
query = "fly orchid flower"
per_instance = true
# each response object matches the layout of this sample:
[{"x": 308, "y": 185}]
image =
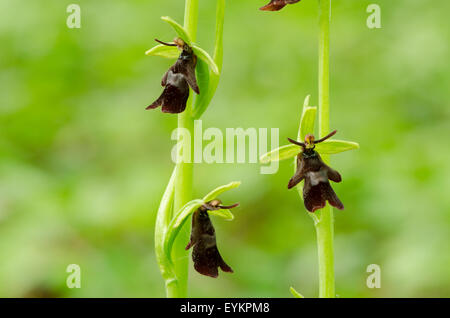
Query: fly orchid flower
[
  {"x": 311, "y": 168},
  {"x": 177, "y": 80}
]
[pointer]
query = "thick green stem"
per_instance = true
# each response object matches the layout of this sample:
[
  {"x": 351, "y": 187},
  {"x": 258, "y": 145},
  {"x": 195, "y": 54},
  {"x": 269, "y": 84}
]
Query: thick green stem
[
  {"x": 325, "y": 226},
  {"x": 184, "y": 178}
]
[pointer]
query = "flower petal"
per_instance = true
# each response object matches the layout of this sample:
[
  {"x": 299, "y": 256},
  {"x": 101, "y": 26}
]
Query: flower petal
[{"x": 335, "y": 146}]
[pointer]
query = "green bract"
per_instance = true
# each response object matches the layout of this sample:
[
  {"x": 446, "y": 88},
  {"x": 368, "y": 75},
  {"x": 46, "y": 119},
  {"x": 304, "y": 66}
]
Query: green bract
[
  {"x": 203, "y": 55},
  {"x": 177, "y": 223},
  {"x": 203, "y": 100},
  {"x": 219, "y": 190}
]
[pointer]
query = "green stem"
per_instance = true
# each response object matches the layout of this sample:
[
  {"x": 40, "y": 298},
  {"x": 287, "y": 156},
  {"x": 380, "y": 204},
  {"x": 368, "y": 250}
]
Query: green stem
[
  {"x": 325, "y": 232},
  {"x": 184, "y": 178},
  {"x": 191, "y": 18},
  {"x": 325, "y": 226}
]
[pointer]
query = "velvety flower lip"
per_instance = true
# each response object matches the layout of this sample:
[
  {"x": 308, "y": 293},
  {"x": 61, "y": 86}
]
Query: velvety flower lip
[
  {"x": 205, "y": 254},
  {"x": 276, "y": 5},
  {"x": 311, "y": 168},
  {"x": 177, "y": 79}
]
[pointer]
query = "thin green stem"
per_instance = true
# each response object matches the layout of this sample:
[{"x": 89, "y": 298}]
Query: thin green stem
[
  {"x": 324, "y": 66},
  {"x": 324, "y": 233},
  {"x": 184, "y": 179},
  {"x": 191, "y": 18},
  {"x": 325, "y": 226}
]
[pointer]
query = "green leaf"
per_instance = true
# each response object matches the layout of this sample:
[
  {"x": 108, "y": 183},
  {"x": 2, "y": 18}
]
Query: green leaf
[
  {"x": 162, "y": 222},
  {"x": 225, "y": 213},
  {"x": 295, "y": 293},
  {"x": 219, "y": 190},
  {"x": 335, "y": 146},
  {"x": 169, "y": 52},
  {"x": 177, "y": 223},
  {"x": 203, "y": 55},
  {"x": 282, "y": 153},
  {"x": 307, "y": 121},
  {"x": 182, "y": 33}
]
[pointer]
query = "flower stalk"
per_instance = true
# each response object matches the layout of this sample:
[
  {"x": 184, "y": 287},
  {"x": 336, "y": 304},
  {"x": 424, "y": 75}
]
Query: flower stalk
[
  {"x": 184, "y": 175},
  {"x": 325, "y": 224},
  {"x": 312, "y": 157}
]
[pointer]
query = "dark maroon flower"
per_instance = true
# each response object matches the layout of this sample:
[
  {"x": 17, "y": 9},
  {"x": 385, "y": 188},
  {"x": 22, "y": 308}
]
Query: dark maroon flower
[
  {"x": 205, "y": 255},
  {"x": 310, "y": 167},
  {"x": 177, "y": 80},
  {"x": 276, "y": 5}
]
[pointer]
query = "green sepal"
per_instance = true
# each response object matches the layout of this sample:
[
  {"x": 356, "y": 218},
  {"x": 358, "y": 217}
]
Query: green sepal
[
  {"x": 223, "y": 213},
  {"x": 329, "y": 147},
  {"x": 307, "y": 122},
  {"x": 165, "y": 51},
  {"x": 182, "y": 33}
]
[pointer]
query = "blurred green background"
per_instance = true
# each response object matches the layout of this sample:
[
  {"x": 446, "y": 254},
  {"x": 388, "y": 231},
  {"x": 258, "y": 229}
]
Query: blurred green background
[{"x": 83, "y": 165}]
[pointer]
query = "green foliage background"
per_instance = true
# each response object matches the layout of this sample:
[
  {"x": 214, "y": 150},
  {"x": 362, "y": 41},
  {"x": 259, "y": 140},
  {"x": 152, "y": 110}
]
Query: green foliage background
[{"x": 83, "y": 166}]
